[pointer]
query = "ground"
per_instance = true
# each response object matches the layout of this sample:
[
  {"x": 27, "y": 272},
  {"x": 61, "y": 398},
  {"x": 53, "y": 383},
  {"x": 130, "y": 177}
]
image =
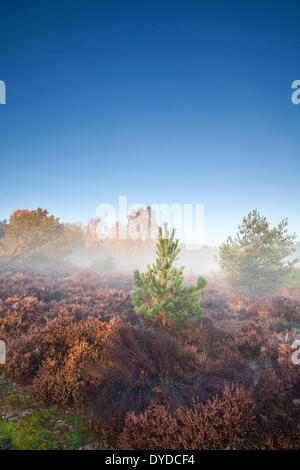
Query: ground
[{"x": 26, "y": 425}]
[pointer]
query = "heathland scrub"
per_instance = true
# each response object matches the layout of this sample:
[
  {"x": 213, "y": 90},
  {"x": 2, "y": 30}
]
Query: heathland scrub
[{"x": 26, "y": 425}]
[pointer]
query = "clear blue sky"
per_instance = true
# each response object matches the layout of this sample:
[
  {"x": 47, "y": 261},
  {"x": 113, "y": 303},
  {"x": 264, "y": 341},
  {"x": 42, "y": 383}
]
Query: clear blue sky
[{"x": 163, "y": 101}]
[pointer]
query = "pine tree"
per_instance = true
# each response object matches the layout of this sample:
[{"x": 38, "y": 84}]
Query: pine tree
[
  {"x": 159, "y": 293},
  {"x": 257, "y": 259}
]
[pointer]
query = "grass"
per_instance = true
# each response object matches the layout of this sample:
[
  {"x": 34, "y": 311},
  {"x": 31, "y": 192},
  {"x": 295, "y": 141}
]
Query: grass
[
  {"x": 33, "y": 432},
  {"x": 25, "y": 425}
]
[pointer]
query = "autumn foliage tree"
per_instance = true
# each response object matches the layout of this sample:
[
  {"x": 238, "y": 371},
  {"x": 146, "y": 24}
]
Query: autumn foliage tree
[
  {"x": 159, "y": 294},
  {"x": 36, "y": 236},
  {"x": 256, "y": 260}
]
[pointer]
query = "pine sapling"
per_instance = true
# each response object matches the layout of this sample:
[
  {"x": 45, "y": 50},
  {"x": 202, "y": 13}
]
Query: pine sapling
[{"x": 159, "y": 293}]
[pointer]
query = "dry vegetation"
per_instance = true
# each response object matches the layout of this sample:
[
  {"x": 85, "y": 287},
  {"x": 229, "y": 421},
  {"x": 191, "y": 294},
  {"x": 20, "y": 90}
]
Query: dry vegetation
[{"x": 226, "y": 382}]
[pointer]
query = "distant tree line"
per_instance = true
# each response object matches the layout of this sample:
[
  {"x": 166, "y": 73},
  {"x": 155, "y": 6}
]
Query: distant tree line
[
  {"x": 259, "y": 260},
  {"x": 36, "y": 238}
]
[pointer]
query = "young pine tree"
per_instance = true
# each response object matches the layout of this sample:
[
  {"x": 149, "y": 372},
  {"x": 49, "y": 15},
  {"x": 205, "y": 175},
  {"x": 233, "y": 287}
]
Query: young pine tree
[
  {"x": 257, "y": 259},
  {"x": 159, "y": 293}
]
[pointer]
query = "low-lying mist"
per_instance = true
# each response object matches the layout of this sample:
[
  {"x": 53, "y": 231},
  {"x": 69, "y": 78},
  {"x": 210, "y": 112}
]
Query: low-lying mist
[{"x": 200, "y": 261}]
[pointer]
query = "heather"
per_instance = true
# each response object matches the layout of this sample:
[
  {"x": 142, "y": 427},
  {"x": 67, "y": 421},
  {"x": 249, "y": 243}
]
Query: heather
[{"x": 227, "y": 381}]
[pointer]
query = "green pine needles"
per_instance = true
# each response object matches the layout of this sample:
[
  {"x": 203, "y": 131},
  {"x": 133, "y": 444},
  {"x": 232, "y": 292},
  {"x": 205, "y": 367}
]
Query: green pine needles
[
  {"x": 259, "y": 260},
  {"x": 159, "y": 293}
]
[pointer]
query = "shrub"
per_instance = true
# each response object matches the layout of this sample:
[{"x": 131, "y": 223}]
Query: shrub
[
  {"x": 54, "y": 358},
  {"x": 217, "y": 424},
  {"x": 17, "y": 316},
  {"x": 103, "y": 265},
  {"x": 276, "y": 308},
  {"x": 154, "y": 429},
  {"x": 143, "y": 366}
]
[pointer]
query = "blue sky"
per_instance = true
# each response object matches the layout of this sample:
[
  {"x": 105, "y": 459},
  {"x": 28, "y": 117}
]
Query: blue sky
[{"x": 163, "y": 101}]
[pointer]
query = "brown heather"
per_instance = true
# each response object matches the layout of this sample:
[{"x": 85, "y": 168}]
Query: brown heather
[{"x": 228, "y": 382}]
